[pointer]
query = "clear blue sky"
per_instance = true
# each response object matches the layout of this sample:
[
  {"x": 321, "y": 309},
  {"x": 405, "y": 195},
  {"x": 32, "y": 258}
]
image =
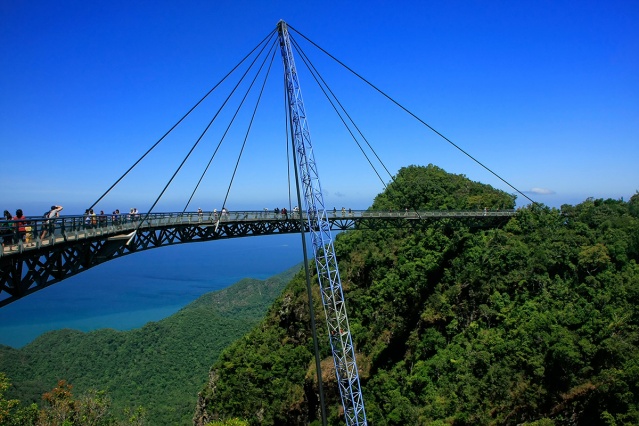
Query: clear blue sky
[{"x": 545, "y": 93}]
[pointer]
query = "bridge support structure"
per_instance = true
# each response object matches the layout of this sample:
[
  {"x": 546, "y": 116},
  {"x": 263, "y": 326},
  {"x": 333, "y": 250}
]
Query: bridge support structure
[{"x": 326, "y": 262}]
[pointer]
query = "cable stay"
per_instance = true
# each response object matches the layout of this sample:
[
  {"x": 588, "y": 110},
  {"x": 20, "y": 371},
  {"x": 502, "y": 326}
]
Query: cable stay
[
  {"x": 414, "y": 116},
  {"x": 266, "y": 42},
  {"x": 228, "y": 127},
  {"x": 248, "y": 130},
  {"x": 263, "y": 42},
  {"x": 150, "y": 210},
  {"x": 324, "y": 88}
]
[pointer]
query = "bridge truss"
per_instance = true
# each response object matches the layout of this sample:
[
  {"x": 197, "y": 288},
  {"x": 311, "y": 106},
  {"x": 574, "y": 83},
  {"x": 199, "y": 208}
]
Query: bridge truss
[{"x": 73, "y": 247}]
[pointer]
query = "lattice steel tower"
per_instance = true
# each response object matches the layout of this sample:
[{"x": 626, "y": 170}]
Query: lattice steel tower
[{"x": 325, "y": 260}]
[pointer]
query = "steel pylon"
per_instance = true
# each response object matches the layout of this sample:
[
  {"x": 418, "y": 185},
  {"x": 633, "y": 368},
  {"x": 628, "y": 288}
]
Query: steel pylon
[{"x": 328, "y": 274}]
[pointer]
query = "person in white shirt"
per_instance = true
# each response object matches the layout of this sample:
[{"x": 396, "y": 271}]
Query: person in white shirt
[{"x": 49, "y": 224}]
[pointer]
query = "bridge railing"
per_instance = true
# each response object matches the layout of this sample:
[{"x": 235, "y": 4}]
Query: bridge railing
[{"x": 35, "y": 231}]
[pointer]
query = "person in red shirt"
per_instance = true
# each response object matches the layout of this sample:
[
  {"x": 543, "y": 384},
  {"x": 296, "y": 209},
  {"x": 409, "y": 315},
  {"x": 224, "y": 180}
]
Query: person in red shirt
[{"x": 20, "y": 224}]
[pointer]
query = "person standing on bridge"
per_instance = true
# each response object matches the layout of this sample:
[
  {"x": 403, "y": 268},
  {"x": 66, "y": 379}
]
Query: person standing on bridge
[
  {"x": 102, "y": 219},
  {"x": 49, "y": 224},
  {"x": 116, "y": 217},
  {"x": 6, "y": 229},
  {"x": 21, "y": 226},
  {"x": 87, "y": 219}
]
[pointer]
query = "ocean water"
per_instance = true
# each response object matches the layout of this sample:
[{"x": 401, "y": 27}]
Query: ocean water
[{"x": 128, "y": 292}]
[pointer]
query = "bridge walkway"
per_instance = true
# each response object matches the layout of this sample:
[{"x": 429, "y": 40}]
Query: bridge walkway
[
  {"x": 77, "y": 243},
  {"x": 66, "y": 229}
]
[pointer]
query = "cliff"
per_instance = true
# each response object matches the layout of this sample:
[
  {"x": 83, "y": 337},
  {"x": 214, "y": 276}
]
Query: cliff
[{"x": 532, "y": 321}]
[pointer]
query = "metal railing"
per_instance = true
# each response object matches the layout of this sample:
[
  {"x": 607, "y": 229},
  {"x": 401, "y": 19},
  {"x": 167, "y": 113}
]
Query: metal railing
[{"x": 33, "y": 232}]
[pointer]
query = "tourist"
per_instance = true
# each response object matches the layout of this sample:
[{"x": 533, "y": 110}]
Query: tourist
[
  {"x": 87, "y": 218},
  {"x": 102, "y": 219},
  {"x": 49, "y": 224},
  {"x": 20, "y": 224},
  {"x": 6, "y": 228}
]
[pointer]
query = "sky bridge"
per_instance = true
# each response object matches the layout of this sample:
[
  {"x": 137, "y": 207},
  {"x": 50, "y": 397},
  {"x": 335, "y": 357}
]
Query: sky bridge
[
  {"x": 39, "y": 252},
  {"x": 74, "y": 244},
  {"x": 523, "y": 109}
]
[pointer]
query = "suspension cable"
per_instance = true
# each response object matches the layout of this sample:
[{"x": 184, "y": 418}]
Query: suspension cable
[
  {"x": 232, "y": 119},
  {"x": 314, "y": 71},
  {"x": 176, "y": 172},
  {"x": 323, "y": 84},
  {"x": 248, "y": 130},
  {"x": 187, "y": 156},
  {"x": 414, "y": 116},
  {"x": 270, "y": 35}
]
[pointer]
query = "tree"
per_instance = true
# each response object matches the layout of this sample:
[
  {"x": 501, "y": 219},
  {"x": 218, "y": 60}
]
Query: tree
[
  {"x": 11, "y": 411},
  {"x": 60, "y": 407}
]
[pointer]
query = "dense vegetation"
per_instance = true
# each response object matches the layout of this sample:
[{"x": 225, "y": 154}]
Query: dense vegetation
[
  {"x": 159, "y": 367},
  {"x": 530, "y": 320},
  {"x": 534, "y": 321},
  {"x": 61, "y": 407}
]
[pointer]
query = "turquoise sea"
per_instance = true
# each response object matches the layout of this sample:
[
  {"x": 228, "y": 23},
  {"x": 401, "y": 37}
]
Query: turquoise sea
[{"x": 147, "y": 286}]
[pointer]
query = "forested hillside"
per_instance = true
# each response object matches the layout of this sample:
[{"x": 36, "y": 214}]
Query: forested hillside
[
  {"x": 531, "y": 321},
  {"x": 159, "y": 367}
]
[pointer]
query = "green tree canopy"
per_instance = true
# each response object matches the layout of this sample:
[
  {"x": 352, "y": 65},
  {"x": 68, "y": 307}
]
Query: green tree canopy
[{"x": 529, "y": 321}]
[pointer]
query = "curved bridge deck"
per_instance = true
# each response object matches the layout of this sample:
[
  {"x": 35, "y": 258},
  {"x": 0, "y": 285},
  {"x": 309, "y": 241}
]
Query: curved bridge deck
[{"x": 76, "y": 243}]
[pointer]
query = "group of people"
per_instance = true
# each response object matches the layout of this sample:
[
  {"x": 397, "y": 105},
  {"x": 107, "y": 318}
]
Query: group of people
[
  {"x": 14, "y": 229},
  {"x": 350, "y": 211},
  {"x": 93, "y": 220},
  {"x": 283, "y": 211},
  {"x": 223, "y": 213}
]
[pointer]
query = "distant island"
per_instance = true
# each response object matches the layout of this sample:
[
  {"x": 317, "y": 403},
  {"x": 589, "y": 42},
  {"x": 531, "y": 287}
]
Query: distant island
[{"x": 155, "y": 371}]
